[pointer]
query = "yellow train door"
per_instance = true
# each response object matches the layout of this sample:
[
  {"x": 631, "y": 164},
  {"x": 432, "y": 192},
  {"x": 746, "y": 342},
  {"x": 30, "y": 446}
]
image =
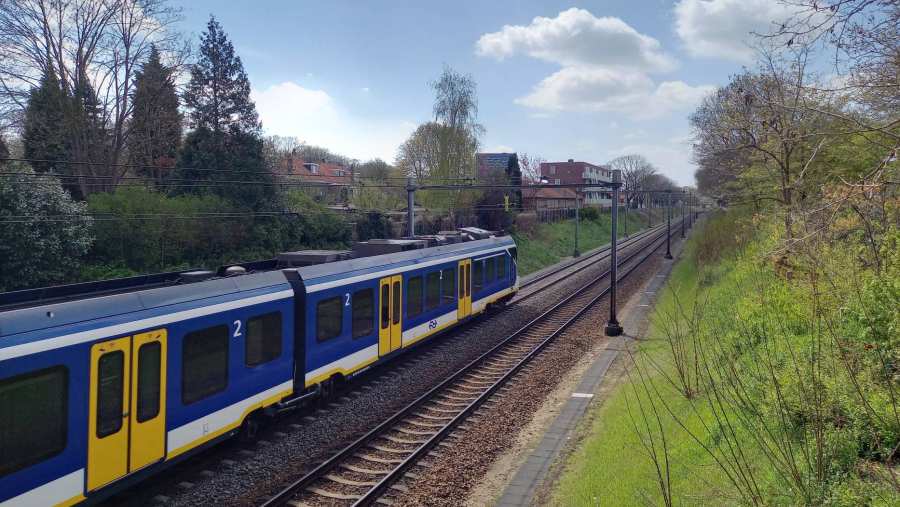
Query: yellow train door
[
  {"x": 126, "y": 422},
  {"x": 464, "y": 308},
  {"x": 148, "y": 400},
  {"x": 390, "y": 331},
  {"x": 108, "y": 417},
  {"x": 396, "y": 305}
]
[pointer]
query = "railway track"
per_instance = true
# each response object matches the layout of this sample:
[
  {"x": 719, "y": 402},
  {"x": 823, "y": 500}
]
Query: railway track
[
  {"x": 548, "y": 278},
  {"x": 367, "y": 471}
]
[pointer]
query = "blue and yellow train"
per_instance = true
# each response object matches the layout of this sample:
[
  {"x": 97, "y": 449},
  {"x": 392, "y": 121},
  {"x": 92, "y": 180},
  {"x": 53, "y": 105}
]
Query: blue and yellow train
[{"x": 104, "y": 384}]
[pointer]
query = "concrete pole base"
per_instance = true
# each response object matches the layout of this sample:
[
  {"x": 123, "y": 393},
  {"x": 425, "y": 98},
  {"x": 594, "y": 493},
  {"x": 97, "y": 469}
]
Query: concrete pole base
[{"x": 613, "y": 328}]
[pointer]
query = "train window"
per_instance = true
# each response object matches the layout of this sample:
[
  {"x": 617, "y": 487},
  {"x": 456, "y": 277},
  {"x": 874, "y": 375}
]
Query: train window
[
  {"x": 414, "y": 296},
  {"x": 329, "y": 318},
  {"x": 385, "y": 306},
  {"x": 396, "y": 304},
  {"x": 263, "y": 343},
  {"x": 110, "y": 393},
  {"x": 36, "y": 429},
  {"x": 489, "y": 265},
  {"x": 462, "y": 282},
  {"x": 433, "y": 290},
  {"x": 477, "y": 275},
  {"x": 363, "y": 314},
  {"x": 501, "y": 267},
  {"x": 448, "y": 286},
  {"x": 148, "y": 370},
  {"x": 204, "y": 363},
  {"x": 468, "y": 280}
]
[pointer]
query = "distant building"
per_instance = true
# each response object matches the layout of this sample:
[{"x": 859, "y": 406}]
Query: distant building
[
  {"x": 576, "y": 173},
  {"x": 488, "y": 165},
  {"x": 296, "y": 168},
  {"x": 542, "y": 199},
  {"x": 324, "y": 174},
  {"x": 491, "y": 167}
]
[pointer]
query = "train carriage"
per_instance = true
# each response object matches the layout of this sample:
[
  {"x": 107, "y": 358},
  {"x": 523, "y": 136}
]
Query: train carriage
[
  {"x": 102, "y": 385},
  {"x": 361, "y": 310}
]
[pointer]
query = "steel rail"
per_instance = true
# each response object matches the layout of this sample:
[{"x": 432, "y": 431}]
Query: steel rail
[
  {"x": 599, "y": 254},
  {"x": 378, "y": 490},
  {"x": 323, "y": 468}
]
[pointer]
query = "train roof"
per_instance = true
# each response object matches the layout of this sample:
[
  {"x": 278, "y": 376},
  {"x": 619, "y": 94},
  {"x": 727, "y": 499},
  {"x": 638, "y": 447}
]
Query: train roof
[
  {"x": 118, "y": 297},
  {"x": 323, "y": 276},
  {"x": 42, "y": 315}
]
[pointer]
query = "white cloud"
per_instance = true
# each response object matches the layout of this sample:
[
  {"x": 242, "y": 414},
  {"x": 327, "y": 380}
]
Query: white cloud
[
  {"x": 577, "y": 37},
  {"x": 314, "y": 117},
  {"x": 499, "y": 148},
  {"x": 605, "y": 65},
  {"x": 599, "y": 89},
  {"x": 724, "y": 28}
]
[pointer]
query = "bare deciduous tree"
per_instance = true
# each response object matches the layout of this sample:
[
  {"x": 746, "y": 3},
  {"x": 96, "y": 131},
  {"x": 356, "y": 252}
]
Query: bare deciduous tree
[
  {"x": 531, "y": 167},
  {"x": 635, "y": 173},
  {"x": 101, "y": 41}
]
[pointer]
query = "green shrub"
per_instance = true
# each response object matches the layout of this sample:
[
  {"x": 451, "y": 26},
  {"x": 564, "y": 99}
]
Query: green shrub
[
  {"x": 141, "y": 230},
  {"x": 43, "y": 232},
  {"x": 590, "y": 213}
]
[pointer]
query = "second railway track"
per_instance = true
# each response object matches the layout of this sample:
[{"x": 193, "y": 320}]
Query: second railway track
[{"x": 367, "y": 471}]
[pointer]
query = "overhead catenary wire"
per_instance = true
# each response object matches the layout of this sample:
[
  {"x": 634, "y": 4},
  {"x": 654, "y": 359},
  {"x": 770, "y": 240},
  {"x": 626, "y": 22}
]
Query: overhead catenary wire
[{"x": 275, "y": 172}]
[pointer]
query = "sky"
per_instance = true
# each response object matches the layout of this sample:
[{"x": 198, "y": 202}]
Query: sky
[{"x": 583, "y": 80}]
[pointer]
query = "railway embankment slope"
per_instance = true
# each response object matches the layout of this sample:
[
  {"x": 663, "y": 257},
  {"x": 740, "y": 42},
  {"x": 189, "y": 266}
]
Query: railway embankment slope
[{"x": 764, "y": 377}]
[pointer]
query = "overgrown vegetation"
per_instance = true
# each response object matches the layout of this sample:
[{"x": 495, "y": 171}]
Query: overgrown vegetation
[
  {"x": 759, "y": 384},
  {"x": 140, "y": 231},
  {"x": 548, "y": 243}
]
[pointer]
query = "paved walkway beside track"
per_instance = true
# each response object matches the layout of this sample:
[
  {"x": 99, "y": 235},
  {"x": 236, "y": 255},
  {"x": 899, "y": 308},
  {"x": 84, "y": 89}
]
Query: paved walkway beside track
[{"x": 533, "y": 472}]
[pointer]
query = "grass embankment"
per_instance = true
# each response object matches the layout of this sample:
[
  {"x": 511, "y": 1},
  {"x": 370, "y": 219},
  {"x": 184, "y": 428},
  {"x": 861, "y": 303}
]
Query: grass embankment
[
  {"x": 549, "y": 243},
  {"x": 740, "y": 395}
]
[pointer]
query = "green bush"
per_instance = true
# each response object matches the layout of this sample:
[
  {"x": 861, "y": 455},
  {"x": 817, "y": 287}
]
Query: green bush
[
  {"x": 590, "y": 213},
  {"x": 141, "y": 230},
  {"x": 43, "y": 232}
]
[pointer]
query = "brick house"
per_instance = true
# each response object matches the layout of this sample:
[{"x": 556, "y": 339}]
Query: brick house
[
  {"x": 295, "y": 169},
  {"x": 573, "y": 173},
  {"x": 540, "y": 199}
]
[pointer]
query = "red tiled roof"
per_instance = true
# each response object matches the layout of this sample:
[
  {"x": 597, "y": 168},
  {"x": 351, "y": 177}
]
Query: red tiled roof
[
  {"x": 325, "y": 172},
  {"x": 548, "y": 193}
]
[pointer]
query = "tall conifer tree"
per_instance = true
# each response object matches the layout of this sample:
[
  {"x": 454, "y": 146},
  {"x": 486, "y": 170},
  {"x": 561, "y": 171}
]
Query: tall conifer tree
[
  {"x": 224, "y": 152},
  {"x": 218, "y": 95},
  {"x": 4, "y": 150},
  {"x": 44, "y": 135},
  {"x": 156, "y": 122},
  {"x": 88, "y": 137}
]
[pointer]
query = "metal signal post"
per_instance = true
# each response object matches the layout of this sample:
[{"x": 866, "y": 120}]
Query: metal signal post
[
  {"x": 410, "y": 203},
  {"x": 668, "y": 224},
  {"x": 613, "y": 328}
]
